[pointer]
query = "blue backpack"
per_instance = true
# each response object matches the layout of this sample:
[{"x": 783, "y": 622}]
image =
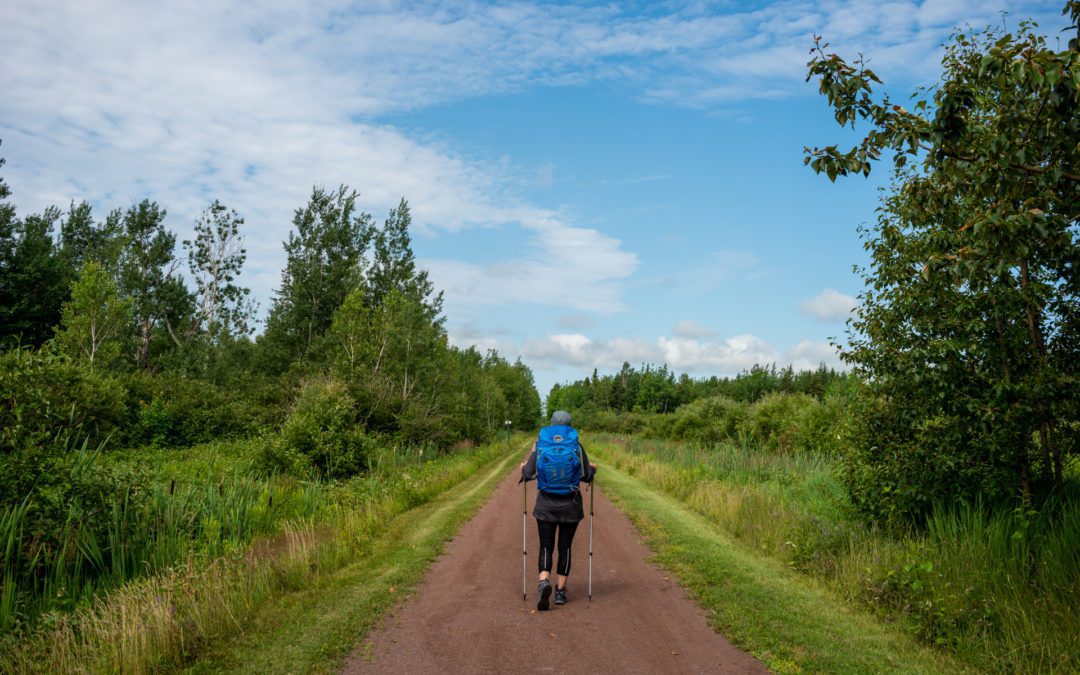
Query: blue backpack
[{"x": 558, "y": 460}]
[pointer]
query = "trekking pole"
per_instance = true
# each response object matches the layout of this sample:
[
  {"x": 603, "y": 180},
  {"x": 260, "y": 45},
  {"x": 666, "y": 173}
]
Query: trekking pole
[
  {"x": 524, "y": 509},
  {"x": 592, "y": 491}
]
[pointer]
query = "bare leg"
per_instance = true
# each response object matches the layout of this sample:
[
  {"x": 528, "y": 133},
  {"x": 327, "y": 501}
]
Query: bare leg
[{"x": 562, "y": 582}]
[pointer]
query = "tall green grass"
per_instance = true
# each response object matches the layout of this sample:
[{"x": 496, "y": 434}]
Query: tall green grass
[
  {"x": 217, "y": 581},
  {"x": 150, "y": 528},
  {"x": 182, "y": 506},
  {"x": 999, "y": 588}
]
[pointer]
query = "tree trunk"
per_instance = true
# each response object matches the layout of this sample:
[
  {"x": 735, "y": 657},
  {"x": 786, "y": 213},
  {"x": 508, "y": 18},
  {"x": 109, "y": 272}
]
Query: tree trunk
[
  {"x": 1034, "y": 325},
  {"x": 1025, "y": 479},
  {"x": 145, "y": 324}
]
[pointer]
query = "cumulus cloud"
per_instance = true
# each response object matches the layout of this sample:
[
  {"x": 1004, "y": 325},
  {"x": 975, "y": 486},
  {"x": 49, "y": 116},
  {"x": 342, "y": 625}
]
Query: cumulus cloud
[
  {"x": 829, "y": 305},
  {"x": 809, "y": 354},
  {"x": 695, "y": 356},
  {"x": 468, "y": 335},
  {"x": 598, "y": 261}
]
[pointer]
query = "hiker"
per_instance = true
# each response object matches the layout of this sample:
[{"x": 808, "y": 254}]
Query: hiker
[{"x": 559, "y": 463}]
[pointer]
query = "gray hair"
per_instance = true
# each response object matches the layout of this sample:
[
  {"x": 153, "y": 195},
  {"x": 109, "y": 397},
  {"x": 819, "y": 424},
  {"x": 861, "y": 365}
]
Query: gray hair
[{"x": 560, "y": 417}]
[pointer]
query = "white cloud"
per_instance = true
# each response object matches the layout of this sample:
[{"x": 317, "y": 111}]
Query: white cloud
[
  {"x": 829, "y": 305},
  {"x": 468, "y": 335},
  {"x": 808, "y": 355},
  {"x": 726, "y": 356},
  {"x": 691, "y": 329},
  {"x": 695, "y": 356},
  {"x": 253, "y": 102},
  {"x": 566, "y": 349},
  {"x": 572, "y": 267}
]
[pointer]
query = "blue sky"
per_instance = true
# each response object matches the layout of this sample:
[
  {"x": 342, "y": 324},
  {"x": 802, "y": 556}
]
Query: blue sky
[{"x": 590, "y": 183}]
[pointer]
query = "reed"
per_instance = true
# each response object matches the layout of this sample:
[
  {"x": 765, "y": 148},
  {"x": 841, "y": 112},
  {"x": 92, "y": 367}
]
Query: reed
[
  {"x": 194, "y": 561},
  {"x": 997, "y": 587}
]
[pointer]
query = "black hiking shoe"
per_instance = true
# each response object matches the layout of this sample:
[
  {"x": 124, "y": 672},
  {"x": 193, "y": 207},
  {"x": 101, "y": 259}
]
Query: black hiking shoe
[
  {"x": 560, "y": 595},
  {"x": 545, "y": 594}
]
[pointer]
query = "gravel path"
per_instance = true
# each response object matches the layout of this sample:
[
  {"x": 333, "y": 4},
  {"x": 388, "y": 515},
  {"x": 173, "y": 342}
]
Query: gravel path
[{"x": 468, "y": 615}]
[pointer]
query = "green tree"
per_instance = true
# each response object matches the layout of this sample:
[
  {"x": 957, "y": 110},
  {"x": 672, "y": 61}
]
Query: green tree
[
  {"x": 33, "y": 277},
  {"x": 96, "y": 320},
  {"x": 325, "y": 263},
  {"x": 82, "y": 240},
  {"x": 148, "y": 276},
  {"x": 969, "y": 330},
  {"x": 515, "y": 382},
  {"x": 7, "y": 209},
  {"x": 216, "y": 257},
  {"x": 657, "y": 390},
  {"x": 390, "y": 354},
  {"x": 394, "y": 265}
]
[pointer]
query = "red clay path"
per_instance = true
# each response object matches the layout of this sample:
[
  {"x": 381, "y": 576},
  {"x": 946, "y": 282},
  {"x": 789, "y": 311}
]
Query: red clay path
[{"x": 468, "y": 616}]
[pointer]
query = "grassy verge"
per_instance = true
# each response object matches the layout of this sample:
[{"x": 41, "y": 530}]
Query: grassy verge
[
  {"x": 313, "y": 629},
  {"x": 167, "y": 508},
  {"x": 169, "y": 617},
  {"x": 787, "y": 621},
  {"x": 997, "y": 590}
]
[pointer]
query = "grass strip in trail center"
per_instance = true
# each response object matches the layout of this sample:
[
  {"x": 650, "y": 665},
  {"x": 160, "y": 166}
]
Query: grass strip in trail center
[
  {"x": 789, "y": 623},
  {"x": 313, "y": 629}
]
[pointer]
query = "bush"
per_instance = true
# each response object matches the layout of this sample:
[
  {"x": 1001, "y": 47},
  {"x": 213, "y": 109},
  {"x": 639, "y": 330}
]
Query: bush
[
  {"x": 53, "y": 493},
  {"x": 707, "y": 420},
  {"x": 823, "y": 427},
  {"x": 899, "y": 465},
  {"x": 59, "y": 487},
  {"x": 42, "y": 392},
  {"x": 176, "y": 411},
  {"x": 776, "y": 420},
  {"x": 320, "y": 436}
]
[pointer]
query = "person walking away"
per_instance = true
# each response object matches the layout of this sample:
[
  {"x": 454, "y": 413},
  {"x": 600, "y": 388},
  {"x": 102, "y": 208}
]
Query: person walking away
[{"x": 559, "y": 464}]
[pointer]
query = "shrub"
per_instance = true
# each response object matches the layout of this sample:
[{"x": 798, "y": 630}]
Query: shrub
[
  {"x": 53, "y": 493},
  {"x": 776, "y": 420},
  {"x": 823, "y": 427},
  {"x": 320, "y": 435},
  {"x": 42, "y": 392},
  {"x": 177, "y": 411},
  {"x": 899, "y": 465},
  {"x": 708, "y": 420}
]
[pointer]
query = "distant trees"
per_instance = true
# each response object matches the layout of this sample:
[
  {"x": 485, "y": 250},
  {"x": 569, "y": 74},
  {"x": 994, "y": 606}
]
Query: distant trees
[
  {"x": 969, "y": 329},
  {"x": 354, "y": 318},
  {"x": 656, "y": 389}
]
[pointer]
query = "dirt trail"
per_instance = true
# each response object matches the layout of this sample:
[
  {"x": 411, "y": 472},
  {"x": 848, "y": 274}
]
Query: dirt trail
[{"x": 468, "y": 616}]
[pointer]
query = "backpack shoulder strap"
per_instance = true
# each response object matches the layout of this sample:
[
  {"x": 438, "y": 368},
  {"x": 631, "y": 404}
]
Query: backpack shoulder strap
[{"x": 581, "y": 458}]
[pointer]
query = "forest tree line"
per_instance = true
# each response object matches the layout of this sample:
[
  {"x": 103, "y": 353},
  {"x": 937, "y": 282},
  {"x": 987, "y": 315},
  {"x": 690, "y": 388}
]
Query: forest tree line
[{"x": 105, "y": 344}]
